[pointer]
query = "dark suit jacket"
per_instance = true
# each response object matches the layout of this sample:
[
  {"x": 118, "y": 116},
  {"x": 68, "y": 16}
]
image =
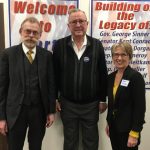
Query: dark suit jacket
[
  {"x": 129, "y": 102},
  {"x": 12, "y": 82}
]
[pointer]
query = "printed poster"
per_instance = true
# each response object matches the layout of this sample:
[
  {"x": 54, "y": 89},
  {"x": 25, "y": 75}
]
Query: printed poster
[
  {"x": 115, "y": 21},
  {"x": 52, "y": 14}
]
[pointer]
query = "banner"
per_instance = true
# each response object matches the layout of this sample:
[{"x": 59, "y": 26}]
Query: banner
[
  {"x": 52, "y": 14},
  {"x": 115, "y": 21}
]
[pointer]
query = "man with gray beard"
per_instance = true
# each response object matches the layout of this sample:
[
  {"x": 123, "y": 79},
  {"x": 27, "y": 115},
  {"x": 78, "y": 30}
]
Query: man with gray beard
[{"x": 27, "y": 89}]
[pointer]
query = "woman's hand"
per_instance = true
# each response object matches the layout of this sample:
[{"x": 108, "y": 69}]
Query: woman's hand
[{"x": 132, "y": 141}]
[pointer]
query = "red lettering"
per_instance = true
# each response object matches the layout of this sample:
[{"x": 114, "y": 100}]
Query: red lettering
[
  {"x": 46, "y": 26},
  {"x": 98, "y": 6},
  {"x": 51, "y": 9},
  {"x": 37, "y": 7},
  {"x": 61, "y": 10},
  {"x": 19, "y": 7},
  {"x": 42, "y": 9},
  {"x": 30, "y": 8}
]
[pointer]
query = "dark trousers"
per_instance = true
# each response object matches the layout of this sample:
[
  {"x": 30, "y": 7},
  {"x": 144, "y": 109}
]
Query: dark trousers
[
  {"x": 33, "y": 118},
  {"x": 86, "y": 116},
  {"x": 119, "y": 139}
]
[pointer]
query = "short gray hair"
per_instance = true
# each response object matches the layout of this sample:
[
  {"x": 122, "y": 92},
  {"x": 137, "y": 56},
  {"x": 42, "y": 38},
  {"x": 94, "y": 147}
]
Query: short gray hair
[
  {"x": 74, "y": 10},
  {"x": 31, "y": 20}
]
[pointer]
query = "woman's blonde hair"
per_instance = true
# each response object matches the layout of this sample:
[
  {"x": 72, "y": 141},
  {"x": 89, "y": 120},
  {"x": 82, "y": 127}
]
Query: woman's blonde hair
[{"x": 126, "y": 46}]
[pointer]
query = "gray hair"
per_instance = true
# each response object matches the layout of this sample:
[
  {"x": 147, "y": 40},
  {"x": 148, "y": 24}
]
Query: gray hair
[
  {"x": 31, "y": 20},
  {"x": 74, "y": 10}
]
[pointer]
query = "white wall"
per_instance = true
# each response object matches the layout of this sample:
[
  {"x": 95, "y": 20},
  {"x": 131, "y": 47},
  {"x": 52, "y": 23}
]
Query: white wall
[{"x": 54, "y": 136}]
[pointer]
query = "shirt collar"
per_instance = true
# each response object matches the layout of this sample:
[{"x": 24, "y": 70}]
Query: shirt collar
[
  {"x": 25, "y": 49},
  {"x": 84, "y": 43}
]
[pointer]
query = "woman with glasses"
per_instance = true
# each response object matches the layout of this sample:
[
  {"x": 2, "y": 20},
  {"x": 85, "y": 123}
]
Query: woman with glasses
[{"x": 126, "y": 101}]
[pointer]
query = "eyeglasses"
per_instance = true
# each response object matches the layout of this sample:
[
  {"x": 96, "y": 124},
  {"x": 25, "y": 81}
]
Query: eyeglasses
[
  {"x": 28, "y": 31},
  {"x": 116, "y": 55},
  {"x": 81, "y": 22}
]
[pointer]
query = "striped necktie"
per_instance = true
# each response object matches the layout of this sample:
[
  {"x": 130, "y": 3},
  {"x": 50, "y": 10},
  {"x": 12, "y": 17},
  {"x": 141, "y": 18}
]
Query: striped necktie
[{"x": 29, "y": 56}]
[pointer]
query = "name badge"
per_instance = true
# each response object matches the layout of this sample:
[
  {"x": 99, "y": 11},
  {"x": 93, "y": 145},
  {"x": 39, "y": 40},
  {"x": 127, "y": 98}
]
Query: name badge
[{"x": 124, "y": 82}]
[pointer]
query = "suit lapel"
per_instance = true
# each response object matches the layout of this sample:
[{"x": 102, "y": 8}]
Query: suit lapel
[
  {"x": 112, "y": 85},
  {"x": 118, "y": 92},
  {"x": 120, "y": 87},
  {"x": 20, "y": 63},
  {"x": 39, "y": 56}
]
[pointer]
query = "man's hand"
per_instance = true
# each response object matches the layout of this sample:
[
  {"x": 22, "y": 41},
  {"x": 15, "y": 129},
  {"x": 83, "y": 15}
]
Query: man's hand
[
  {"x": 50, "y": 120},
  {"x": 58, "y": 106},
  {"x": 107, "y": 130},
  {"x": 3, "y": 127},
  {"x": 102, "y": 107}
]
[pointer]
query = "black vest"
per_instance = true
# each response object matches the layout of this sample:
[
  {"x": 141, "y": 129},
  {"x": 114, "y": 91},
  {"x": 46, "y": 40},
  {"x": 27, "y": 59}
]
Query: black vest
[{"x": 32, "y": 90}]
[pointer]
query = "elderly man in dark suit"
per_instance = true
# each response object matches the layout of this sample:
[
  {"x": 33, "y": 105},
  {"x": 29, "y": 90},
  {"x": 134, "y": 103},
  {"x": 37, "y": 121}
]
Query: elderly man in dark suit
[{"x": 27, "y": 89}]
